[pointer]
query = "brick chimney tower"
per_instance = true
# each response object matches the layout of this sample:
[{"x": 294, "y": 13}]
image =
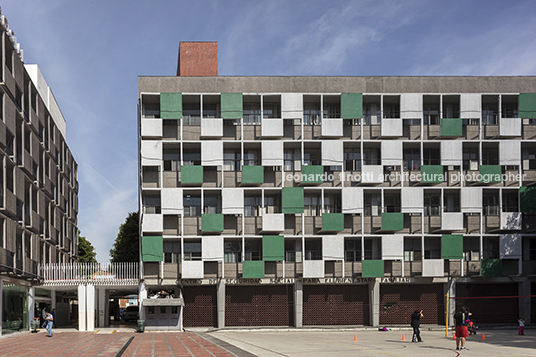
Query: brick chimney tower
[{"x": 197, "y": 59}]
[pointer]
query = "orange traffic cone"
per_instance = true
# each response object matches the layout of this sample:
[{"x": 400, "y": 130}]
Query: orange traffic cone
[
  {"x": 403, "y": 337},
  {"x": 453, "y": 336},
  {"x": 483, "y": 337},
  {"x": 355, "y": 338}
]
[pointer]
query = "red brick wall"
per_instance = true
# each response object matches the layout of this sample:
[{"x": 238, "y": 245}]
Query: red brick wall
[{"x": 198, "y": 59}]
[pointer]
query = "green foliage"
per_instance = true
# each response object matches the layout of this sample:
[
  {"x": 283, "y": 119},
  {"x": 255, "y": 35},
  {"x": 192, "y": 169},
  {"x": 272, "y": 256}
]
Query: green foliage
[
  {"x": 127, "y": 243},
  {"x": 86, "y": 251}
]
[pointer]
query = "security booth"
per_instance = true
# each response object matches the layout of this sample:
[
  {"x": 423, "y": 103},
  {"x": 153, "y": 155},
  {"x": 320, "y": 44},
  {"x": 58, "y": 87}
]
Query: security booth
[{"x": 163, "y": 314}]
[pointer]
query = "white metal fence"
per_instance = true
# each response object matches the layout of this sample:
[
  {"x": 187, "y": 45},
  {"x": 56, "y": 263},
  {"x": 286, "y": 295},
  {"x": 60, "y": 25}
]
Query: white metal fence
[{"x": 94, "y": 273}]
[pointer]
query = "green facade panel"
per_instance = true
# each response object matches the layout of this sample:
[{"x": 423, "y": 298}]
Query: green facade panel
[
  {"x": 527, "y": 198},
  {"x": 392, "y": 221},
  {"x": 273, "y": 248},
  {"x": 452, "y": 246},
  {"x": 212, "y": 222},
  {"x": 432, "y": 174},
  {"x": 253, "y": 269},
  {"x": 491, "y": 267},
  {"x": 451, "y": 127},
  {"x": 491, "y": 173},
  {"x": 191, "y": 174},
  {"x": 152, "y": 248},
  {"x": 252, "y": 174},
  {"x": 332, "y": 222},
  {"x": 171, "y": 105},
  {"x": 312, "y": 174},
  {"x": 352, "y": 105},
  {"x": 292, "y": 199},
  {"x": 231, "y": 106},
  {"x": 527, "y": 105},
  {"x": 373, "y": 269}
]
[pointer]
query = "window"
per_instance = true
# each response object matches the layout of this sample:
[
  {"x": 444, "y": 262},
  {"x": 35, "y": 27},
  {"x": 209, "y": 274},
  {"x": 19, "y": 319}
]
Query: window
[
  {"x": 272, "y": 203},
  {"x": 253, "y": 249},
  {"x": 331, "y": 106},
  {"x": 490, "y": 203},
  {"x": 432, "y": 248},
  {"x": 451, "y": 106},
  {"x": 2, "y": 240},
  {"x": 192, "y": 205},
  {"x": 313, "y": 248},
  {"x": 172, "y": 159},
  {"x": 372, "y": 204},
  {"x": 252, "y": 113},
  {"x": 191, "y": 157},
  {"x": 211, "y": 106},
  {"x": 412, "y": 249},
  {"x": 191, "y": 110},
  {"x": 172, "y": 251},
  {"x": 312, "y": 205},
  {"x": 490, "y": 247},
  {"x": 509, "y": 106},
  {"x": 412, "y": 159},
  {"x": 251, "y": 157},
  {"x": 431, "y": 156},
  {"x": 510, "y": 201},
  {"x": 311, "y": 157},
  {"x": 431, "y": 109},
  {"x": 332, "y": 204},
  {"x": 231, "y": 161},
  {"x": 232, "y": 250},
  {"x": 151, "y": 204},
  {"x": 373, "y": 248},
  {"x": 391, "y": 106},
  {"x": 290, "y": 250},
  {"x": 292, "y": 159},
  {"x": 470, "y": 158},
  {"x": 392, "y": 202},
  {"x": 271, "y": 106},
  {"x": 371, "y": 109},
  {"x": 252, "y": 206},
  {"x": 192, "y": 249},
  {"x": 352, "y": 160},
  {"x": 372, "y": 156},
  {"x": 490, "y": 109},
  {"x": 311, "y": 110},
  {"x": 432, "y": 203},
  {"x": 352, "y": 250},
  {"x": 451, "y": 201},
  {"x": 212, "y": 204},
  {"x": 471, "y": 249},
  {"x": 9, "y": 143}
]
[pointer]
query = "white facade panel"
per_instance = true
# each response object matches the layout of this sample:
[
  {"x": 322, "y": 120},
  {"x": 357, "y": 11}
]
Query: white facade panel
[
  {"x": 272, "y": 153},
  {"x": 332, "y": 153},
  {"x": 273, "y": 222},
  {"x": 392, "y": 152},
  {"x": 272, "y": 127},
  {"x": 451, "y": 152},
  {"x": 510, "y": 246},
  {"x": 151, "y": 127},
  {"x": 152, "y": 223},
  {"x": 372, "y": 173},
  {"x": 510, "y": 126},
  {"x": 391, "y": 127},
  {"x": 333, "y": 247},
  {"x": 171, "y": 200},
  {"x": 232, "y": 200},
  {"x": 511, "y": 221},
  {"x": 192, "y": 269},
  {"x": 411, "y": 105},
  {"x": 452, "y": 221},
  {"x": 393, "y": 247},
  {"x": 212, "y": 127},
  {"x": 212, "y": 153},
  {"x": 352, "y": 199},
  {"x": 412, "y": 199},
  {"x": 510, "y": 152},
  {"x": 151, "y": 153},
  {"x": 332, "y": 127},
  {"x": 292, "y": 105},
  {"x": 471, "y": 199},
  {"x": 471, "y": 105},
  {"x": 212, "y": 248},
  {"x": 313, "y": 268},
  {"x": 433, "y": 267}
]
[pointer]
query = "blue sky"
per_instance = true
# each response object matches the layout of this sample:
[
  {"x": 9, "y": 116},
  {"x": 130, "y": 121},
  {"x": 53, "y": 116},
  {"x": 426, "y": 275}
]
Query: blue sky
[{"x": 91, "y": 53}]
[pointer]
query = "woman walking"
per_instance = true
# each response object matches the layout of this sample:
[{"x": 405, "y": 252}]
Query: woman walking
[{"x": 416, "y": 323}]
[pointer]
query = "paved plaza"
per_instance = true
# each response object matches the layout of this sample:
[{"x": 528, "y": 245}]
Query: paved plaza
[{"x": 264, "y": 342}]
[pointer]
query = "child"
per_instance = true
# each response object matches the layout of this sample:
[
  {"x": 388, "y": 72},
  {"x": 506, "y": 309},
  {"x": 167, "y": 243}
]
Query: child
[{"x": 521, "y": 326}]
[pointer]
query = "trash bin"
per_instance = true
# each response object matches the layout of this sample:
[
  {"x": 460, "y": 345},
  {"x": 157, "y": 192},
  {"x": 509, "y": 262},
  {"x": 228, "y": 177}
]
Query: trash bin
[
  {"x": 34, "y": 325},
  {"x": 141, "y": 325}
]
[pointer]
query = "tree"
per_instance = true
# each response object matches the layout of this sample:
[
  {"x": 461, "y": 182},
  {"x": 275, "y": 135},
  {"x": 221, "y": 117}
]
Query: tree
[
  {"x": 126, "y": 245},
  {"x": 86, "y": 251}
]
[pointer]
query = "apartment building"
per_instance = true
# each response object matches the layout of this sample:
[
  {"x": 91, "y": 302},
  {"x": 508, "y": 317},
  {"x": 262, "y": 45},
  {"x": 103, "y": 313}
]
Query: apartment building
[
  {"x": 38, "y": 186},
  {"x": 294, "y": 201}
]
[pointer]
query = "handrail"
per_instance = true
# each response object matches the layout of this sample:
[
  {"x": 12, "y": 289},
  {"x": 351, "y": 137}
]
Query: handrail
[{"x": 123, "y": 273}]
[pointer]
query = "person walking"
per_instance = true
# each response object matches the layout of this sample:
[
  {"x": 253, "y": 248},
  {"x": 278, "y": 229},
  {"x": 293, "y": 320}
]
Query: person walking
[
  {"x": 43, "y": 317},
  {"x": 54, "y": 317},
  {"x": 460, "y": 323},
  {"x": 521, "y": 323},
  {"x": 416, "y": 323},
  {"x": 49, "y": 321}
]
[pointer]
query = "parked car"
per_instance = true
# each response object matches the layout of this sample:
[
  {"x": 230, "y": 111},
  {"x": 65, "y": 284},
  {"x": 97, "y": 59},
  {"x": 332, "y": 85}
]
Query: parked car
[{"x": 132, "y": 312}]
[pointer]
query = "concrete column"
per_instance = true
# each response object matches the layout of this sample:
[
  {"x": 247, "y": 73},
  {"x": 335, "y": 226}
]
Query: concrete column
[
  {"x": 52, "y": 299},
  {"x": 90, "y": 307},
  {"x": 450, "y": 287},
  {"x": 141, "y": 296},
  {"x": 31, "y": 306},
  {"x": 101, "y": 303},
  {"x": 1, "y": 306},
  {"x": 524, "y": 302},
  {"x": 220, "y": 303},
  {"x": 298, "y": 303},
  {"x": 82, "y": 308},
  {"x": 374, "y": 301},
  {"x": 106, "y": 308}
]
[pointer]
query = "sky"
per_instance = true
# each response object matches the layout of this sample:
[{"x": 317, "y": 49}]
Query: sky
[{"x": 91, "y": 53}]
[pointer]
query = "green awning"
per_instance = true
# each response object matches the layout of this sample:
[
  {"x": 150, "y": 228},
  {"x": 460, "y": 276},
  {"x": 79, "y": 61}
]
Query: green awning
[
  {"x": 432, "y": 174},
  {"x": 392, "y": 221},
  {"x": 152, "y": 248},
  {"x": 171, "y": 105},
  {"x": 527, "y": 198},
  {"x": 292, "y": 199},
  {"x": 191, "y": 174},
  {"x": 231, "y": 106},
  {"x": 253, "y": 269},
  {"x": 451, "y": 127},
  {"x": 373, "y": 269},
  {"x": 491, "y": 173},
  {"x": 273, "y": 248},
  {"x": 332, "y": 222},
  {"x": 527, "y": 105},
  {"x": 352, "y": 105},
  {"x": 312, "y": 173},
  {"x": 452, "y": 246},
  {"x": 252, "y": 174}
]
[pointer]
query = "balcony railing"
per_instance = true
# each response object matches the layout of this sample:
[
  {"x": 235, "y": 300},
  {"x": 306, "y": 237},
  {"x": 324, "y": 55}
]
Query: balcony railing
[{"x": 93, "y": 273}]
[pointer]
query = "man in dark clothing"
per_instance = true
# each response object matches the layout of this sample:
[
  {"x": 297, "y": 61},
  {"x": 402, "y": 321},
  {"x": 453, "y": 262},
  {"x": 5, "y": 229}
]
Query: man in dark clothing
[
  {"x": 460, "y": 323},
  {"x": 416, "y": 323}
]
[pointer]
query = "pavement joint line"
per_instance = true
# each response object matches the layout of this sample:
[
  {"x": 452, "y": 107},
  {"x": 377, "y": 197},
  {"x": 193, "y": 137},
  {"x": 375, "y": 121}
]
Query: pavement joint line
[
  {"x": 226, "y": 346},
  {"x": 115, "y": 339},
  {"x": 88, "y": 338},
  {"x": 124, "y": 347},
  {"x": 138, "y": 345},
  {"x": 203, "y": 347},
  {"x": 190, "y": 352},
  {"x": 170, "y": 349},
  {"x": 152, "y": 351}
]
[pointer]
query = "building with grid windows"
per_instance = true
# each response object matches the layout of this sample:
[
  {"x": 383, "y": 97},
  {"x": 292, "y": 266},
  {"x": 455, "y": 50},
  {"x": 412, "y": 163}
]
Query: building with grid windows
[
  {"x": 38, "y": 188},
  {"x": 293, "y": 201}
]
